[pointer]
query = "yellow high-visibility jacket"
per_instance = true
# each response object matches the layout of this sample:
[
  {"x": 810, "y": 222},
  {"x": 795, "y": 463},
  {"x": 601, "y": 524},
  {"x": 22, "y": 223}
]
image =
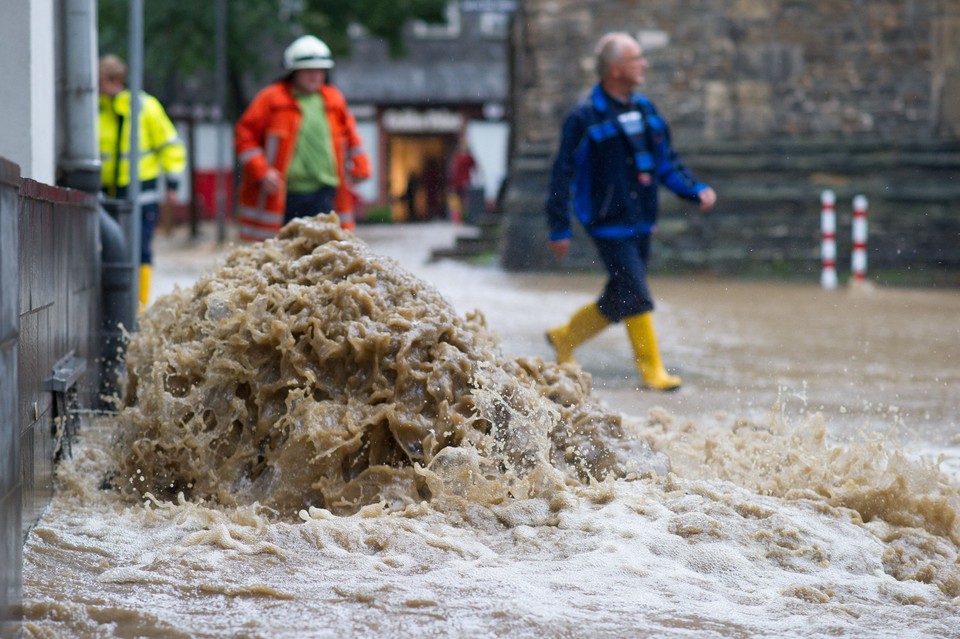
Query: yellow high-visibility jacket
[{"x": 160, "y": 146}]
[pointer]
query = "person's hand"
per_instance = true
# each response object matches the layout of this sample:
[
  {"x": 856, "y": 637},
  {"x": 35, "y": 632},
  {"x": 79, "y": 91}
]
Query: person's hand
[
  {"x": 271, "y": 181},
  {"x": 171, "y": 197},
  {"x": 708, "y": 197},
  {"x": 559, "y": 247}
]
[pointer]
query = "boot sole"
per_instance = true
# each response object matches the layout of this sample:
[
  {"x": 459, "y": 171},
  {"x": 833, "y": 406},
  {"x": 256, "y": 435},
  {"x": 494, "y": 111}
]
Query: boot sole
[{"x": 669, "y": 389}]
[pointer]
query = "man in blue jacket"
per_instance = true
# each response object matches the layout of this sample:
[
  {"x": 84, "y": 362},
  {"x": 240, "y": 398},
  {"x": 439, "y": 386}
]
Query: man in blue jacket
[{"x": 614, "y": 153}]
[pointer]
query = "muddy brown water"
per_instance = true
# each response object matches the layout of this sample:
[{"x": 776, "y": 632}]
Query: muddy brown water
[
  {"x": 870, "y": 358},
  {"x": 813, "y": 452}
]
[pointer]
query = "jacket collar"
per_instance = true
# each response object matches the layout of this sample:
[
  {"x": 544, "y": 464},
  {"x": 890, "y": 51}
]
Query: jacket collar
[
  {"x": 601, "y": 101},
  {"x": 119, "y": 104}
]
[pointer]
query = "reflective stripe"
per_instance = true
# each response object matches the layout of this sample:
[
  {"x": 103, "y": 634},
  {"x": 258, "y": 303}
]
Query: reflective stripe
[
  {"x": 347, "y": 220},
  {"x": 254, "y": 225},
  {"x": 125, "y": 156},
  {"x": 249, "y": 154},
  {"x": 357, "y": 150},
  {"x": 254, "y": 233},
  {"x": 171, "y": 142},
  {"x": 149, "y": 196},
  {"x": 273, "y": 218}
]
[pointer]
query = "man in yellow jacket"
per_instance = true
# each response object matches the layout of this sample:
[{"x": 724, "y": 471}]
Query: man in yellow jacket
[{"x": 161, "y": 150}]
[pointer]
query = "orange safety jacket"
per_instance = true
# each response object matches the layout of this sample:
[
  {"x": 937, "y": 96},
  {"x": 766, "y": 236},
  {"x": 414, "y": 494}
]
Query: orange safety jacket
[{"x": 269, "y": 127}]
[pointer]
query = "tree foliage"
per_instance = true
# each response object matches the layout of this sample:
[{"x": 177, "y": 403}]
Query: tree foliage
[
  {"x": 179, "y": 37},
  {"x": 382, "y": 18}
]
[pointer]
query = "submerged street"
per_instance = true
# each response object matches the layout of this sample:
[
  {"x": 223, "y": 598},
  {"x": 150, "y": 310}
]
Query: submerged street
[
  {"x": 813, "y": 489},
  {"x": 874, "y": 359}
]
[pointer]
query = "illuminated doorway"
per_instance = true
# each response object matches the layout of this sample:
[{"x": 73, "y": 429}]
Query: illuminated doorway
[{"x": 418, "y": 176}]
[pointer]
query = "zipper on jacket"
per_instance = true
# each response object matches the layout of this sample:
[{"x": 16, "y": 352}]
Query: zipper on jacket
[
  {"x": 604, "y": 208},
  {"x": 116, "y": 162}
]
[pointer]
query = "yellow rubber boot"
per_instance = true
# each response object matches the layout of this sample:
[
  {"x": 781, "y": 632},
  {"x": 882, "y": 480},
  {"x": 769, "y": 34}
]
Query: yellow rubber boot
[
  {"x": 146, "y": 274},
  {"x": 647, "y": 353},
  {"x": 585, "y": 323}
]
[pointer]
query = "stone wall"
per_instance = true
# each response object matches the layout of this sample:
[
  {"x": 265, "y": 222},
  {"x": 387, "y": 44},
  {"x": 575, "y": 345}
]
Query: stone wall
[
  {"x": 754, "y": 69},
  {"x": 771, "y": 101}
]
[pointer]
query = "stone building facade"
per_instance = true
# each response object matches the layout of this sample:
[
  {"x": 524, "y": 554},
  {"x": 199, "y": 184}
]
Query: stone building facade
[{"x": 771, "y": 101}]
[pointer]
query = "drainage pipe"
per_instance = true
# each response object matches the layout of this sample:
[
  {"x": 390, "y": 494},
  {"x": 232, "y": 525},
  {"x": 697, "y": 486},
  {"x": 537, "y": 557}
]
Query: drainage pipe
[
  {"x": 116, "y": 292},
  {"x": 135, "y": 79},
  {"x": 79, "y": 164},
  {"x": 79, "y": 160}
]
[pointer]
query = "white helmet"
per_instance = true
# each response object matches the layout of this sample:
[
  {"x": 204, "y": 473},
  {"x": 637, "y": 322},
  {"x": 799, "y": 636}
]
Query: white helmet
[{"x": 307, "y": 52}]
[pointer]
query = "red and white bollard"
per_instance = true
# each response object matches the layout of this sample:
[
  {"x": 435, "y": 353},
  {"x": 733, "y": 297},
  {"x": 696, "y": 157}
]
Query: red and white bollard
[
  {"x": 828, "y": 240},
  {"x": 858, "y": 261}
]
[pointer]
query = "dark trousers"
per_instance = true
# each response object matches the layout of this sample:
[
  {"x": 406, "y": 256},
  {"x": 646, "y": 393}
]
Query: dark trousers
[
  {"x": 149, "y": 214},
  {"x": 626, "y": 291},
  {"x": 310, "y": 203}
]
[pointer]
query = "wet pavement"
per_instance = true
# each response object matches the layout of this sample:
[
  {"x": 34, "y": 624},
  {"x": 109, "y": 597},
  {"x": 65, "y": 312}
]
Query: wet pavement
[{"x": 868, "y": 359}]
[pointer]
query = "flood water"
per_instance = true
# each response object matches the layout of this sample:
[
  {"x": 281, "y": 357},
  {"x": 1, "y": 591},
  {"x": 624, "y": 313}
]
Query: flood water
[{"x": 465, "y": 486}]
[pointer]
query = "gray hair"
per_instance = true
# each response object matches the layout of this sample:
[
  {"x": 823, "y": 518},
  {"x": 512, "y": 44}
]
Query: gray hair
[{"x": 609, "y": 51}]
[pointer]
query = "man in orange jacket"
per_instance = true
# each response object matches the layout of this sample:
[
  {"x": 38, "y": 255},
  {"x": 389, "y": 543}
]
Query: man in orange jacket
[{"x": 298, "y": 146}]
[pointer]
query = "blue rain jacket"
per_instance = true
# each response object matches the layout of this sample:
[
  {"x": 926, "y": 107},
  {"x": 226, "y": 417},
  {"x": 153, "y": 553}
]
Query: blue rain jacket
[{"x": 611, "y": 160}]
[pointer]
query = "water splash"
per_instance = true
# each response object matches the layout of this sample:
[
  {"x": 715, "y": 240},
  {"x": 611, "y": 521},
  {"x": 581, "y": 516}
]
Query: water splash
[{"x": 307, "y": 371}]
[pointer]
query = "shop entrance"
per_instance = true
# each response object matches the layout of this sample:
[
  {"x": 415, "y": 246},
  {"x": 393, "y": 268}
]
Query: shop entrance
[{"x": 418, "y": 176}]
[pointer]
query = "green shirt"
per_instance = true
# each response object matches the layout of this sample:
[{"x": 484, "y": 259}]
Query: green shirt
[{"x": 314, "y": 163}]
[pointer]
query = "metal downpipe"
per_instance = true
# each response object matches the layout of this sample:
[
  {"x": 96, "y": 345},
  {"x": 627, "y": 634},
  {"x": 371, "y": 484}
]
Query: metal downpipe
[
  {"x": 79, "y": 160},
  {"x": 116, "y": 292}
]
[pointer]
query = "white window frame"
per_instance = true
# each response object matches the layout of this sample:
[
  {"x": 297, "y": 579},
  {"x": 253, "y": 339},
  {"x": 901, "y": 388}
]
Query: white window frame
[{"x": 494, "y": 24}]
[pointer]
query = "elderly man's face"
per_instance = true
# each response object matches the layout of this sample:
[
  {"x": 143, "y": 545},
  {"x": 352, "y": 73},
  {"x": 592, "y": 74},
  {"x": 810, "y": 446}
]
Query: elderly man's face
[{"x": 633, "y": 65}]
